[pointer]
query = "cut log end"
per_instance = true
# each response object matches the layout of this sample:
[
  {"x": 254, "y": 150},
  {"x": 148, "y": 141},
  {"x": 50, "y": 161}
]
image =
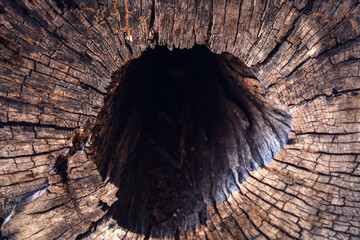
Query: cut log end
[
  {"x": 166, "y": 147},
  {"x": 179, "y": 132}
]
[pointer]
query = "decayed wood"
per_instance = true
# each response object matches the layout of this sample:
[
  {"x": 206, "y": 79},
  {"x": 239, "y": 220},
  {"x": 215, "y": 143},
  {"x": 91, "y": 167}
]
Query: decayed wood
[
  {"x": 57, "y": 58},
  {"x": 179, "y": 132}
]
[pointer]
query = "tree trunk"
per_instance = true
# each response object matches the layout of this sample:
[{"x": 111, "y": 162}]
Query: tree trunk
[{"x": 107, "y": 134}]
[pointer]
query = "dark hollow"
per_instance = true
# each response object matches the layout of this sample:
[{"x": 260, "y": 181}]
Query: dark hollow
[{"x": 179, "y": 132}]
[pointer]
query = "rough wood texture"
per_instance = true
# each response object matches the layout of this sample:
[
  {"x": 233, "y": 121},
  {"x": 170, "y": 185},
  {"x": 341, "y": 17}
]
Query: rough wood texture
[{"x": 57, "y": 58}]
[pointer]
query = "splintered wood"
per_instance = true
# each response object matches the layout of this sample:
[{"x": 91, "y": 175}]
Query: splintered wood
[{"x": 56, "y": 62}]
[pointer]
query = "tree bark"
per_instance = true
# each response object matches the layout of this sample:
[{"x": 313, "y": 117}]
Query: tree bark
[{"x": 59, "y": 61}]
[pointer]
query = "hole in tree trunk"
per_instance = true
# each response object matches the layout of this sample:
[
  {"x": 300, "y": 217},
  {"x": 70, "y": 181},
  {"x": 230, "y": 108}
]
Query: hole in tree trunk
[{"x": 179, "y": 132}]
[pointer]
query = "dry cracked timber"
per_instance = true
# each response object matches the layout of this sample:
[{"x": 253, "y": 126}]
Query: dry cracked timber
[{"x": 58, "y": 62}]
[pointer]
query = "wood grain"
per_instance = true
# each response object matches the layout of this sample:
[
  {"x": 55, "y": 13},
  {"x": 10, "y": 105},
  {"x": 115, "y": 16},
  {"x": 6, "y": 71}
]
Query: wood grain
[{"x": 57, "y": 58}]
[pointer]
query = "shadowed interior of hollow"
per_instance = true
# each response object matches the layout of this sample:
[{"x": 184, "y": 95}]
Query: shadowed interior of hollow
[{"x": 179, "y": 132}]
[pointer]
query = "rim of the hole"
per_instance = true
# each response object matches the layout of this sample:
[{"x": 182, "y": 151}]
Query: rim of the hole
[{"x": 126, "y": 65}]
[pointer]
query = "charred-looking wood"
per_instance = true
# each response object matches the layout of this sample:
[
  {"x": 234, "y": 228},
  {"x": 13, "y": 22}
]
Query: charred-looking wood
[
  {"x": 173, "y": 134},
  {"x": 179, "y": 132}
]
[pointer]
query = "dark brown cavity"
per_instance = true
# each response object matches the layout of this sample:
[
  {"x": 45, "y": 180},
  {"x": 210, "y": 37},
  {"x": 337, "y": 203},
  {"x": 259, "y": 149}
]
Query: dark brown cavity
[{"x": 179, "y": 132}]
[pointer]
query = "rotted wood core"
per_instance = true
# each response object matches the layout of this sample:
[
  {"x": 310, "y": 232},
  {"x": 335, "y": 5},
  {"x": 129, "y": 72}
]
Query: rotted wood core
[{"x": 179, "y": 131}]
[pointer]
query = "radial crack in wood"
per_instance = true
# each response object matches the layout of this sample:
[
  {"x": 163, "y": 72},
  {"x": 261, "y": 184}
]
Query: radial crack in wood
[{"x": 57, "y": 57}]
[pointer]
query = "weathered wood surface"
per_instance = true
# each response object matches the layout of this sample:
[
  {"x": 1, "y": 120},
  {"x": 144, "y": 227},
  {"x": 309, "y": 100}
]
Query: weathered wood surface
[{"x": 57, "y": 57}]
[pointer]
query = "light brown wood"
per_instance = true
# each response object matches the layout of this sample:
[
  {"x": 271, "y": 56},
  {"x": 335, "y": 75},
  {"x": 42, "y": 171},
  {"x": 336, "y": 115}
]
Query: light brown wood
[{"x": 57, "y": 59}]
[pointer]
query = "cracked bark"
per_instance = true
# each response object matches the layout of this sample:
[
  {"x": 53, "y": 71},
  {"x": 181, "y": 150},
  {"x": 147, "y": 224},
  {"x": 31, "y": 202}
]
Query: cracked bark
[{"x": 58, "y": 60}]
